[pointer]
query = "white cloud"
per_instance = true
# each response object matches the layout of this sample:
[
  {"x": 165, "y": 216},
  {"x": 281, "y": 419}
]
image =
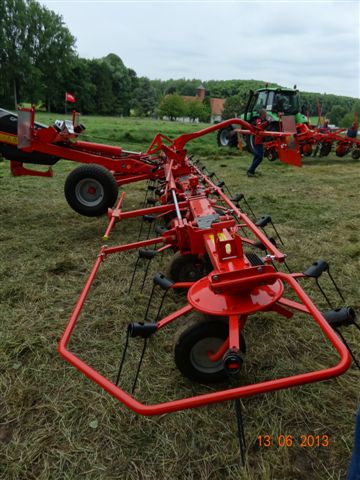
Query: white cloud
[{"x": 313, "y": 44}]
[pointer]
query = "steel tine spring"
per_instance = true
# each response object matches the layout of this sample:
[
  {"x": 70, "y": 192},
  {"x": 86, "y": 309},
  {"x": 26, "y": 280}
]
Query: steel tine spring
[
  {"x": 274, "y": 265},
  {"x": 287, "y": 267},
  {"x": 216, "y": 177},
  {"x": 139, "y": 366},
  {"x": 133, "y": 275},
  {"x": 146, "y": 194},
  {"x": 228, "y": 190},
  {"x": 244, "y": 232},
  {"x": 149, "y": 231},
  {"x": 250, "y": 209},
  {"x": 240, "y": 430},
  {"x": 335, "y": 285},
  {"x": 161, "y": 305},
  {"x": 145, "y": 274},
  {"x": 149, "y": 186},
  {"x": 149, "y": 302},
  {"x": 141, "y": 229},
  {"x": 323, "y": 293},
  {"x": 123, "y": 357},
  {"x": 243, "y": 229},
  {"x": 277, "y": 233},
  {"x": 348, "y": 347}
]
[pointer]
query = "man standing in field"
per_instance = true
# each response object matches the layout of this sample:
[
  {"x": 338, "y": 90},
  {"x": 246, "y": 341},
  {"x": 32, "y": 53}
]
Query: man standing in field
[{"x": 258, "y": 150}]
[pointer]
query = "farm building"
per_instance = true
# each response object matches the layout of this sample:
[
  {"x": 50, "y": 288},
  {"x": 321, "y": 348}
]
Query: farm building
[{"x": 216, "y": 104}]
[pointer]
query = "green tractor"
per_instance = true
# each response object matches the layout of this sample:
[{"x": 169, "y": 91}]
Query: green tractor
[{"x": 276, "y": 101}]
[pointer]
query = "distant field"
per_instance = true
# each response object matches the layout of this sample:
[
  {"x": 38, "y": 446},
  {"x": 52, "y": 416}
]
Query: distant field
[{"x": 56, "y": 424}]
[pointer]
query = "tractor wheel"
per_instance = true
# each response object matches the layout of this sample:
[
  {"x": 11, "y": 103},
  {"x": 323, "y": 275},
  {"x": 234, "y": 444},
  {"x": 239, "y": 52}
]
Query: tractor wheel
[
  {"x": 90, "y": 190},
  {"x": 199, "y": 336},
  {"x": 188, "y": 268},
  {"x": 250, "y": 139},
  {"x": 224, "y": 139},
  {"x": 355, "y": 154}
]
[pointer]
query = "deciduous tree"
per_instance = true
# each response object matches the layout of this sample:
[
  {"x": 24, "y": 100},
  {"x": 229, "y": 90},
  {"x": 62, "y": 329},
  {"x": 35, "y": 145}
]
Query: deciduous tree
[{"x": 172, "y": 106}]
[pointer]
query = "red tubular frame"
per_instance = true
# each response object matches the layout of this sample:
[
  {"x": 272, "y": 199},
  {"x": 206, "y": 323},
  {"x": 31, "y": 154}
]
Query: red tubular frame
[
  {"x": 232, "y": 275},
  {"x": 221, "y": 396}
]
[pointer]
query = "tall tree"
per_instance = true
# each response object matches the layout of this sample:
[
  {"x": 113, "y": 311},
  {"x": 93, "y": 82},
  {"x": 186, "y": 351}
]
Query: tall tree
[
  {"x": 14, "y": 51},
  {"x": 124, "y": 81},
  {"x": 196, "y": 109},
  {"x": 101, "y": 76},
  {"x": 336, "y": 114},
  {"x": 35, "y": 51},
  {"x": 79, "y": 81},
  {"x": 234, "y": 106},
  {"x": 52, "y": 53},
  {"x": 144, "y": 97}
]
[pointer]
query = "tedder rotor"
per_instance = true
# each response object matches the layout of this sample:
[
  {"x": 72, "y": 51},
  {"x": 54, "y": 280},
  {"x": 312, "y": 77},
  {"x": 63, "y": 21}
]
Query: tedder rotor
[{"x": 225, "y": 269}]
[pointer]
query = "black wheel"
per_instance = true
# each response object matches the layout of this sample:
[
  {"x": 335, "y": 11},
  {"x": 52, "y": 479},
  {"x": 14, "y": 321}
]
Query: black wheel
[
  {"x": 200, "y": 336},
  {"x": 250, "y": 142},
  {"x": 225, "y": 139},
  {"x": 325, "y": 149},
  {"x": 355, "y": 154},
  {"x": 271, "y": 154},
  {"x": 188, "y": 268},
  {"x": 90, "y": 190},
  {"x": 250, "y": 139}
]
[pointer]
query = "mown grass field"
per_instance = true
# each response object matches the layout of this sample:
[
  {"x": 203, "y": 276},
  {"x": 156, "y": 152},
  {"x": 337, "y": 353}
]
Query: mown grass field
[{"x": 56, "y": 424}]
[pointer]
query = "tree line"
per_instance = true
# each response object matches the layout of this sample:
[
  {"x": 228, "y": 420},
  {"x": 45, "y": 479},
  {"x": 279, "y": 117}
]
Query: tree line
[{"x": 39, "y": 63}]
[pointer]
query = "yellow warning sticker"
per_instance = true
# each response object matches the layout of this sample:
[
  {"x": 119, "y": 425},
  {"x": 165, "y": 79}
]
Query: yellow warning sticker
[
  {"x": 12, "y": 139},
  {"x": 221, "y": 236}
]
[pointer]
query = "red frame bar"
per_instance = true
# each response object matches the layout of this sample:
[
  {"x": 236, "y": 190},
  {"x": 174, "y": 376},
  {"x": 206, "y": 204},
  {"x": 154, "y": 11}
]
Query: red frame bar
[{"x": 220, "y": 396}]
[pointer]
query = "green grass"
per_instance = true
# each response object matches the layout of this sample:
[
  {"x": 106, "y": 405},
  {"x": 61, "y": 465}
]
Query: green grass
[{"x": 57, "y": 424}]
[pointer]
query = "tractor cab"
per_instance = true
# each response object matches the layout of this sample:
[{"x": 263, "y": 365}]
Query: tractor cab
[{"x": 276, "y": 101}]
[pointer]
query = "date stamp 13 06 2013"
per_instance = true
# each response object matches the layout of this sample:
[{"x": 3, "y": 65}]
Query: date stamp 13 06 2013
[{"x": 303, "y": 441}]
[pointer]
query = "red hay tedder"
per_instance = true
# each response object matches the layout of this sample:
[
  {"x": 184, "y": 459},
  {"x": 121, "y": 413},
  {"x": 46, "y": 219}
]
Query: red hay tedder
[
  {"x": 318, "y": 140},
  {"x": 222, "y": 258},
  {"x": 93, "y": 187}
]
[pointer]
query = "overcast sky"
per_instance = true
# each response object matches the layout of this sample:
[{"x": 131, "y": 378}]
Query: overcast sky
[{"x": 314, "y": 44}]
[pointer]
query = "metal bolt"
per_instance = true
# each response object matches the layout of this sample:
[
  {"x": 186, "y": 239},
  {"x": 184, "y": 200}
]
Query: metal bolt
[{"x": 215, "y": 278}]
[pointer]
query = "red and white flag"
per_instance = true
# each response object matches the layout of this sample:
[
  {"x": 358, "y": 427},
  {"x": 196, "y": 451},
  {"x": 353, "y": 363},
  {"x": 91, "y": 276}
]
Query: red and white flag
[{"x": 69, "y": 98}]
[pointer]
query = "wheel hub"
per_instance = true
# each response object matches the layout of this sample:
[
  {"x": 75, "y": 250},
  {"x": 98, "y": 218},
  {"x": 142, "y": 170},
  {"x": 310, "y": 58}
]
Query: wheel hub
[
  {"x": 89, "y": 192},
  {"x": 200, "y": 358}
]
